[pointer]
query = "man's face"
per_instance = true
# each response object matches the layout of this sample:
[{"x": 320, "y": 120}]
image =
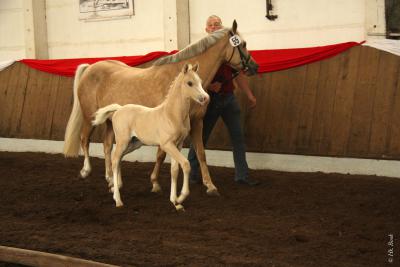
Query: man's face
[{"x": 213, "y": 24}]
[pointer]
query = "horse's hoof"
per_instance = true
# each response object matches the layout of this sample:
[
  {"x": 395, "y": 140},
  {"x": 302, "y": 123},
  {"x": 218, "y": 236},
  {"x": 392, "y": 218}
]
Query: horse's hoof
[
  {"x": 179, "y": 208},
  {"x": 156, "y": 189},
  {"x": 213, "y": 192}
]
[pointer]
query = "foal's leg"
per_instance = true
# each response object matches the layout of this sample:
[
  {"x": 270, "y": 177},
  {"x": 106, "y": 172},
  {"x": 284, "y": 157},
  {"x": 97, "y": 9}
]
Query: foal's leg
[
  {"x": 86, "y": 132},
  {"x": 174, "y": 179},
  {"x": 176, "y": 156},
  {"x": 196, "y": 134},
  {"x": 156, "y": 171},
  {"x": 108, "y": 145}
]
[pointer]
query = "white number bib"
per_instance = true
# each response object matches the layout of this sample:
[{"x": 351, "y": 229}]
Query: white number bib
[{"x": 235, "y": 40}]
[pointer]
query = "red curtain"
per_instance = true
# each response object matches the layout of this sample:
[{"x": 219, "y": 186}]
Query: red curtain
[{"x": 268, "y": 60}]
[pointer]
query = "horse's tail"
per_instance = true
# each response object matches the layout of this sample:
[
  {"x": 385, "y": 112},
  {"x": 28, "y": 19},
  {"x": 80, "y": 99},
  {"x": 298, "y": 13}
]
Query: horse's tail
[
  {"x": 105, "y": 113},
  {"x": 74, "y": 126}
]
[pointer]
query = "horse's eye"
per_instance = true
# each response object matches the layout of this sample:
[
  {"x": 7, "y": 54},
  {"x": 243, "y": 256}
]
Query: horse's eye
[{"x": 189, "y": 83}]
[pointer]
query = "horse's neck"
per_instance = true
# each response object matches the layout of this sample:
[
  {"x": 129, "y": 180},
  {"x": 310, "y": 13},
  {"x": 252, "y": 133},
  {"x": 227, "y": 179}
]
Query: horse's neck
[
  {"x": 211, "y": 60},
  {"x": 176, "y": 106}
]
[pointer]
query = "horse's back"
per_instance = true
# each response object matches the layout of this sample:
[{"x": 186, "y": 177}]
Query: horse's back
[{"x": 110, "y": 81}]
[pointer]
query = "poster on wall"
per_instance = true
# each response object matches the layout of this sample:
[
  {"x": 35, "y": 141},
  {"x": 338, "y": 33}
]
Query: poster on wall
[{"x": 92, "y": 10}]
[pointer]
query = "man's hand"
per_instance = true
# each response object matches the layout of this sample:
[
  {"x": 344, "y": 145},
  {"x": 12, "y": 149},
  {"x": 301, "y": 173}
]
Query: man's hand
[
  {"x": 252, "y": 101},
  {"x": 215, "y": 87}
]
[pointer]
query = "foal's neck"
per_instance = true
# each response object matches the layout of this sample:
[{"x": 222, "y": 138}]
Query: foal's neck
[{"x": 176, "y": 105}]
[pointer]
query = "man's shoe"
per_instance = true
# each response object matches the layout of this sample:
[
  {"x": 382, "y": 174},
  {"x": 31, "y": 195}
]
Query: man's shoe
[{"x": 248, "y": 182}]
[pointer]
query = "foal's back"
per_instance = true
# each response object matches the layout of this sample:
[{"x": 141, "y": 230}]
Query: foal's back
[{"x": 136, "y": 120}]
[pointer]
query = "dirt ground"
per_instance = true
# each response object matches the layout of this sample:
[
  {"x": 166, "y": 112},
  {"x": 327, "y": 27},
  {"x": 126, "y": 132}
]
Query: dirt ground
[{"x": 291, "y": 219}]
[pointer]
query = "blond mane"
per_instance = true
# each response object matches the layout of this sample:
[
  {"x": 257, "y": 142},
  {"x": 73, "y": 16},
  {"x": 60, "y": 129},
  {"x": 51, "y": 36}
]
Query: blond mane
[{"x": 193, "y": 49}]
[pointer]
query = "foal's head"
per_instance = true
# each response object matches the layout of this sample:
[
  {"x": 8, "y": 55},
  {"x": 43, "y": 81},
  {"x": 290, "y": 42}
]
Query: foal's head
[{"x": 191, "y": 84}]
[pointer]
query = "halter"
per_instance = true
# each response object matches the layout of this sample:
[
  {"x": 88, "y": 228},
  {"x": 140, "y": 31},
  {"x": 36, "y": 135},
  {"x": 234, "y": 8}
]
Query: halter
[{"x": 244, "y": 60}]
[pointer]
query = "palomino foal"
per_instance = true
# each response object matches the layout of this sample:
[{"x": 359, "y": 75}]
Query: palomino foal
[{"x": 166, "y": 125}]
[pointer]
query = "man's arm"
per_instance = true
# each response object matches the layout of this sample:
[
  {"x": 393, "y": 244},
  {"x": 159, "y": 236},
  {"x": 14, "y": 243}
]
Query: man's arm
[{"x": 243, "y": 84}]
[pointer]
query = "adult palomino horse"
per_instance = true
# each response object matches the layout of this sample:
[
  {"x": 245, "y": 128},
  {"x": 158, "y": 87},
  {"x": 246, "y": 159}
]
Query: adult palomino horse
[
  {"x": 169, "y": 126},
  {"x": 107, "y": 82}
]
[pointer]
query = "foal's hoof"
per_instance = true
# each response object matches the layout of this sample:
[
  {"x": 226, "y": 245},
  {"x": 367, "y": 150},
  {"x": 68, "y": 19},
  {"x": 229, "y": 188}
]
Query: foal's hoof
[
  {"x": 119, "y": 204},
  {"x": 83, "y": 174},
  {"x": 213, "y": 192},
  {"x": 179, "y": 208}
]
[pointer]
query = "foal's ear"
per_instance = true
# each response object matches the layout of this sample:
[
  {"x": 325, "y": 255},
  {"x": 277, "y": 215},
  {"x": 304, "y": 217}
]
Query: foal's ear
[
  {"x": 196, "y": 67},
  {"x": 234, "y": 26},
  {"x": 186, "y": 68}
]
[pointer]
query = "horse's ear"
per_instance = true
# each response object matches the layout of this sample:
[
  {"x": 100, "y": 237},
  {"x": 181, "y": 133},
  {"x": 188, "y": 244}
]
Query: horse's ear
[
  {"x": 186, "y": 68},
  {"x": 196, "y": 67},
  {"x": 234, "y": 26}
]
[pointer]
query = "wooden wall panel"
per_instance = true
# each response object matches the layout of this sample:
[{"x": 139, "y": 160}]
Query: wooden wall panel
[
  {"x": 63, "y": 108},
  {"x": 35, "y": 106},
  {"x": 383, "y": 104},
  {"x": 4, "y": 80},
  {"x": 344, "y": 98},
  {"x": 293, "y": 104},
  {"x": 13, "y": 99},
  {"x": 325, "y": 100},
  {"x": 19, "y": 100},
  {"x": 347, "y": 105},
  {"x": 307, "y": 106},
  {"x": 364, "y": 97},
  {"x": 393, "y": 149},
  {"x": 257, "y": 123}
]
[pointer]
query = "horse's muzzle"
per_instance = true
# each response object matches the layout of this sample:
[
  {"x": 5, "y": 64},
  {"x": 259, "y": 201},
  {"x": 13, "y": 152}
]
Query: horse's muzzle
[{"x": 251, "y": 68}]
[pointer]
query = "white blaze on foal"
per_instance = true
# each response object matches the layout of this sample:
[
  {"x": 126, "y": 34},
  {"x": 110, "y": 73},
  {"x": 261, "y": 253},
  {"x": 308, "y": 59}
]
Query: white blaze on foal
[{"x": 166, "y": 125}]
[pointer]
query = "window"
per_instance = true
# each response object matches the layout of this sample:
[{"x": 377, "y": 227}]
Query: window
[{"x": 392, "y": 10}]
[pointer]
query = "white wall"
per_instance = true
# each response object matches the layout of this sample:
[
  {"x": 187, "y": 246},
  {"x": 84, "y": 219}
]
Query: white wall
[
  {"x": 300, "y": 23},
  {"x": 12, "y": 42},
  {"x": 70, "y": 37}
]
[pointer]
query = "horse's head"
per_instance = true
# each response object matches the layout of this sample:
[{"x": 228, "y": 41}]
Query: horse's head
[
  {"x": 191, "y": 84},
  {"x": 238, "y": 56}
]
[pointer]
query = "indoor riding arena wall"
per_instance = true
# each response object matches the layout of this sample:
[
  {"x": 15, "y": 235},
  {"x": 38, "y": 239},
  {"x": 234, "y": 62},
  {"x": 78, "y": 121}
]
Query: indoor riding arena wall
[{"x": 344, "y": 106}]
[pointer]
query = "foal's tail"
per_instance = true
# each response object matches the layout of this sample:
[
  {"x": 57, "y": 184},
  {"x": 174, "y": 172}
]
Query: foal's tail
[
  {"x": 74, "y": 126},
  {"x": 105, "y": 113}
]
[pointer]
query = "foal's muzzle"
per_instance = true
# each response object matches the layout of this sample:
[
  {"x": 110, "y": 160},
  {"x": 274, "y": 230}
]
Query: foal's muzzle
[{"x": 203, "y": 99}]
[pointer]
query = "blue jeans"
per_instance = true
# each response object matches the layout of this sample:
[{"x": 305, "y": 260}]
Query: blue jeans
[{"x": 227, "y": 107}]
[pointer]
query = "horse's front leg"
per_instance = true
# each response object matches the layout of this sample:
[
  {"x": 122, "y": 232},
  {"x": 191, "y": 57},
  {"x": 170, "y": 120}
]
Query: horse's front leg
[
  {"x": 156, "y": 171},
  {"x": 86, "y": 132},
  {"x": 108, "y": 145},
  {"x": 196, "y": 134}
]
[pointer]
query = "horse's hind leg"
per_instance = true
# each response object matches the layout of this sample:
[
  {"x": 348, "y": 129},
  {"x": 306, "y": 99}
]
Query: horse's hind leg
[
  {"x": 86, "y": 132},
  {"x": 116, "y": 167},
  {"x": 156, "y": 171},
  {"x": 196, "y": 134},
  {"x": 108, "y": 145}
]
